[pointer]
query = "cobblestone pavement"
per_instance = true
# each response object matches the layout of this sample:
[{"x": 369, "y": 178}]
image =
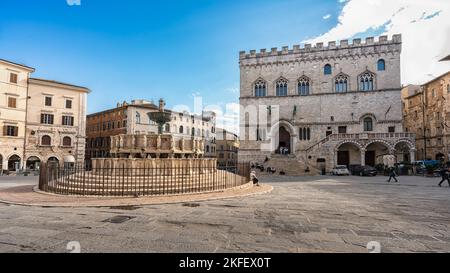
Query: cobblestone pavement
[{"x": 305, "y": 214}]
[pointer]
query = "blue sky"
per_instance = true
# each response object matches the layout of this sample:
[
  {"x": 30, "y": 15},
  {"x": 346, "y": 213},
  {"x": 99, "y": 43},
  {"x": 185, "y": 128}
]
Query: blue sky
[{"x": 146, "y": 49}]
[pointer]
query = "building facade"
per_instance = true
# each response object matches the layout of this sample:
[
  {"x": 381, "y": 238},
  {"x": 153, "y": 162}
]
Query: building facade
[
  {"x": 227, "y": 144},
  {"x": 56, "y": 123},
  {"x": 308, "y": 109},
  {"x": 134, "y": 119},
  {"x": 13, "y": 107},
  {"x": 427, "y": 114}
]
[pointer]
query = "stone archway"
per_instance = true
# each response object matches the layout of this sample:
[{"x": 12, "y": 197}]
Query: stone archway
[
  {"x": 14, "y": 163},
  {"x": 54, "y": 161},
  {"x": 405, "y": 151},
  {"x": 284, "y": 141},
  {"x": 33, "y": 163},
  {"x": 349, "y": 153},
  {"x": 286, "y": 131},
  {"x": 375, "y": 150}
]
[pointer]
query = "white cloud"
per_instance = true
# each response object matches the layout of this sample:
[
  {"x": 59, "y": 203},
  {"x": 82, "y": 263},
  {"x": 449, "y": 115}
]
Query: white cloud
[
  {"x": 232, "y": 90},
  {"x": 424, "y": 25},
  {"x": 326, "y": 16},
  {"x": 227, "y": 117}
]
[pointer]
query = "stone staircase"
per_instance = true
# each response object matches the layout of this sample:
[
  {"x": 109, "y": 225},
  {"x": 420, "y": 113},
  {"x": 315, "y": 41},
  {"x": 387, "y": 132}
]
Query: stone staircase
[{"x": 290, "y": 164}]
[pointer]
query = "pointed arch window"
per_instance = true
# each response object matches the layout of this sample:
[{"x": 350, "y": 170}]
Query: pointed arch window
[
  {"x": 341, "y": 83},
  {"x": 260, "y": 88},
  {"x": 327, "y": 69},
  {"x": 381, "y": 65},
  {"x": 282, "y": 87},
  {"x": 303, "y": 86},
  {"x": 366, "y": 81}
]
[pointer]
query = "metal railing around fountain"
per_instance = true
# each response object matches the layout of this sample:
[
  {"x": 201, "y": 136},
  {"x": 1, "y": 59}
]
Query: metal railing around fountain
[{"x": 135, "y": 182}]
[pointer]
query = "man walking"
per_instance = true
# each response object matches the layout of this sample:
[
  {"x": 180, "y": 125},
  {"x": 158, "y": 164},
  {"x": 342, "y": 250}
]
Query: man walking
[
  {"x": 392, "y": 174},
  {"x": 444, "y": 174}
]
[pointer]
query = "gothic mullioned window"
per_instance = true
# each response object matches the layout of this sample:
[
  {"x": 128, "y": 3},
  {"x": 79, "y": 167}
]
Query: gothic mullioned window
[
  {"x": 260, "y": 88},
  {"x": 303, "y": 86},
  {"x": 304, "y": 134},
  {"x": 381, "y": 65},
  {"x": 282, "y": 87},
  {"x": 327, "y": 69},
  {"x": 341, "y": 83},
  {"x": 366, "y": 81}
]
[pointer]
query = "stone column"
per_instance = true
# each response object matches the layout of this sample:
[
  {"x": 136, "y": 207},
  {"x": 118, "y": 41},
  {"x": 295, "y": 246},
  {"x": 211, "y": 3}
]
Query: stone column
[
  {"x": 335, "y": 158},
  {"x": 412, "y": 155},
  {"x": 363, "y": 157}
]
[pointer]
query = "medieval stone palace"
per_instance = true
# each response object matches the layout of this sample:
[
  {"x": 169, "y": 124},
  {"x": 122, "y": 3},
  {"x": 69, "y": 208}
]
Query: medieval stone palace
[{"x": 308, "y": 109}]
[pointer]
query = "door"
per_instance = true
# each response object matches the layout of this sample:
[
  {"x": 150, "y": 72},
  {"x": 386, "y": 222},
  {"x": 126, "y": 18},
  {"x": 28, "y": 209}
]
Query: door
[
  {"x": 370, "y": 158},
  {"x": 284, "y": 140},
  {"x": 343, "y": 158}
]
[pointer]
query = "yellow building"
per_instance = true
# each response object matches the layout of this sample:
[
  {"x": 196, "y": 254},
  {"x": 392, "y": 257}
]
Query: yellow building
[
  {"x": 13, "y": 106},
  {"x": 56, "y": 123},
  {"x": 227, "y": 147}
]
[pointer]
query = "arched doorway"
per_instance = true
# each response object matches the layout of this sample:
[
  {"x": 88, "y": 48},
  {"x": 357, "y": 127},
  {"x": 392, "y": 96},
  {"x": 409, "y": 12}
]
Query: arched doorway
[
  {"x": 53, "y": 161},
  {"x": 284, "y": 141},
  {"x": 403, "y": 152},
  {"x": 33, "y": 163},
  {"x": 440, "y": 157},
  {"x": 69, "y": 161},
  {"x": 375, "y": 152},
  {"x": 14, "y": 163},
  {"x": 348, "y": 153}
]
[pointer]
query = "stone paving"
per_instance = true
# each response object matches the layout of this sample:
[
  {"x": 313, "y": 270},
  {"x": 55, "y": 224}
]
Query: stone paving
[{"x": 301, "y": 214}]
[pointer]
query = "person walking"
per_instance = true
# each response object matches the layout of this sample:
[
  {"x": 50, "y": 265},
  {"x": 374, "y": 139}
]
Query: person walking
[
  {"x": 392, "y": 174},
  {"x": 444, "y": 174}
]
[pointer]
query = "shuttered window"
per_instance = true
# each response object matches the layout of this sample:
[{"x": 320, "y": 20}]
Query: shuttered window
[
  {"x": 9, "y": 130},
  {"x": 12, "y": 102},
  {"x": 13, "y": 78},
  {"x": 68, "y": 121},
  {"x": 47, "y": 119}
]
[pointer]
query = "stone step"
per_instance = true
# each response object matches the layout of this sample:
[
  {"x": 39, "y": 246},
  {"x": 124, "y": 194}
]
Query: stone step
[{"x": 291, "y": 165}]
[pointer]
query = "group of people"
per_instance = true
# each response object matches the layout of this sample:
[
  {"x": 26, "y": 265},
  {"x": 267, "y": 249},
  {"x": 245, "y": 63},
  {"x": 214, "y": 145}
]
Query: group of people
[{"x": 284, "y": 150}]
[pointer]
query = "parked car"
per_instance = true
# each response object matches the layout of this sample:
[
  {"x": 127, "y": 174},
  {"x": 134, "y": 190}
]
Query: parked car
[
  {"x": 425, "y": 166},
  {"x": 353, "y": 167},
  {"x": 340, "y": 170},
  {"x": 364, "y": 171}
]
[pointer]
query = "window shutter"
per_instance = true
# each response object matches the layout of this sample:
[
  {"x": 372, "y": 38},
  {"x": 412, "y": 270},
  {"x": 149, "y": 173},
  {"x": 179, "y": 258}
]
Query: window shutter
[{"x": 5, "y": 130}]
